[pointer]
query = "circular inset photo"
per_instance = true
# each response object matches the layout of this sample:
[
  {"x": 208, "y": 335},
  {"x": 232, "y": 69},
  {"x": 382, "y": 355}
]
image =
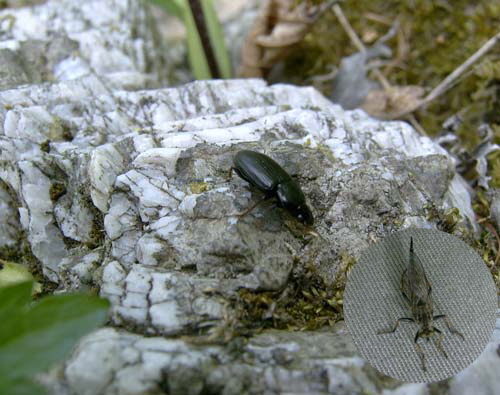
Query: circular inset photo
[{"x": 420, "y": 305}]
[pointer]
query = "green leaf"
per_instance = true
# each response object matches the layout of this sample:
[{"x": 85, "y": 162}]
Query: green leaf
[
  {"x": 45, "y": 333},
  {"x": 13, "y": 302},
  {"x": 20, "y": 387},
  {"x": 172, "y": 7},
  {"x": 13, "y": 273},
  {"x": 14, "y": 296},
  {"x": 217, "y": 38},
  {"x": 196, "y": 55}
]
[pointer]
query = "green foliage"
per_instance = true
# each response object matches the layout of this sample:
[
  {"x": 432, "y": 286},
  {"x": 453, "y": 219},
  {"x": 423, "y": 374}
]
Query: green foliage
[
  {"x": 12, "y": 273},
  {"x": 217, "y": 39},
  {"x": 494, "y": 162},
  {"x": 34, "y": 336},
  {"x": 197, "y": 59}
]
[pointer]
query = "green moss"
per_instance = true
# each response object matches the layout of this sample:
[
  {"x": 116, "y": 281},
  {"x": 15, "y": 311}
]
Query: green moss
[
  {"x": 66, "y": 132},
  {"x": 198, "y": 187},
  {"x": 306, "y": 303},
  {"x": 97, "y": 233},
  {"x": 449, "y": 220},
  {"x": 57, "y": 189},
  {"x": 347, "y": 262},
  {"x": 45, "y": 146},
  {"x": 488, "y": 244},
  {"x": 325, "y": 150},
  {"x": 10, "y": 253},
  {"x": 494, "y": 168},
  {"x": 489, "y": 249}
]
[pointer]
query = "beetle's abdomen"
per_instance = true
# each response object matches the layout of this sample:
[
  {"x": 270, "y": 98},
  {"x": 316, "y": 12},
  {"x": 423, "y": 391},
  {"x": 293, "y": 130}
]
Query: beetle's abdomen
[{"x": 259, "y": 170}]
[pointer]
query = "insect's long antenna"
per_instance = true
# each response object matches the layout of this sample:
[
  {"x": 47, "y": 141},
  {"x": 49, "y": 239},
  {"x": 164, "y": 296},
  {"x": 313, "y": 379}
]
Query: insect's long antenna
[{"x": 411, "y": 244}]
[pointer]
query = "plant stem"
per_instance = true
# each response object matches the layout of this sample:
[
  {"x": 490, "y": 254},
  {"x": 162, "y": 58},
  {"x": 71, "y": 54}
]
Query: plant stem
[{"x": 199, "y": 21}]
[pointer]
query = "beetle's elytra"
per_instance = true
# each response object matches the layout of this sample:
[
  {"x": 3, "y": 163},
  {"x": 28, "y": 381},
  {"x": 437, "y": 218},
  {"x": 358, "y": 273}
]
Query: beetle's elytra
[
  {"x": 417, "y": 291},
  {"x": 266, "y": 175}
]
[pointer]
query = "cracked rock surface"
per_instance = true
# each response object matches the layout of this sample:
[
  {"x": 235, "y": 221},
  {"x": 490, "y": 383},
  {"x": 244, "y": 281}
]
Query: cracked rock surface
[
  {"x": 272, "y": 362},
  {"x": 125, "y": 189}
]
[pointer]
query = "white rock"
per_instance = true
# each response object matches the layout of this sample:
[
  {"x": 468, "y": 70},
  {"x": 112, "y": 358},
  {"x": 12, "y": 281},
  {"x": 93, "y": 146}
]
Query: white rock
[
  {"x": 105, "y": 164},
  {"x": 112, "y": 279},
  {"x": 88, "y": 375},
  {"x": 166, "y": 316},
  {"x": 166, "y": 157},
  {"x": 9, "y": 224}
]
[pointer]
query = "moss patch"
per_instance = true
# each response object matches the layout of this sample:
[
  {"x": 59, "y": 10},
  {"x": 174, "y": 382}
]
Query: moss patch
[{"x": 306, "y": 303}]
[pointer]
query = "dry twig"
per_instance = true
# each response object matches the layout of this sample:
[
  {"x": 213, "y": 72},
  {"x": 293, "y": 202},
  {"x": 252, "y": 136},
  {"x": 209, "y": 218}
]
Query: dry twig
[
  {"x": 447, "y": 82},
  {"x": 390, "y": 91}
]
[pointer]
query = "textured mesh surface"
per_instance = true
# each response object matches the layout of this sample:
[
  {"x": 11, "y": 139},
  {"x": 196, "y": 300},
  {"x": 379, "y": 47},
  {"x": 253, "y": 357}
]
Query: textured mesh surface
[{"x": 462, "y": 288}]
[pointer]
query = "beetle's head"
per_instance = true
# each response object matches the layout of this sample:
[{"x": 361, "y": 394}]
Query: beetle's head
[
  {"x": 304, "y": 214},
  {"x": 292, "y": 198}
]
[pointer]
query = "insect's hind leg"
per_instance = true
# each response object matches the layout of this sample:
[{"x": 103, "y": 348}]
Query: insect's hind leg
[
  {"x": 420, "y": 351},
  {"x": 438, "y": 343},
  {"x": 395, "y": 326},
  {"x": 448, "y": 324}
]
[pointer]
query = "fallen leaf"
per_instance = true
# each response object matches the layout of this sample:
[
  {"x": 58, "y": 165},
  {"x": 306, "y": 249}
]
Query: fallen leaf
[
  {"x": 393, "y": 102},
  {"x": 279, "y": 26}
]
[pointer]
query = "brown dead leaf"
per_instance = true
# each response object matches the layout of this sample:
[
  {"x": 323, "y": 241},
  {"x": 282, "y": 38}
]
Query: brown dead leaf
[
  {"x": 278, "y": 27},
  {"x": 391, "y": 103}
]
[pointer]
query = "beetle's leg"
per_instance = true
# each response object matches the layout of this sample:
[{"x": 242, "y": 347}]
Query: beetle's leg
[
  {"x": 420, "y": 351},
  {"x": 448, "y": 324},
  {"x": 230, "y": 175},
  {"x": 247, "y": 210},
  {"x": 440, "y": 339},
  {"x": 395, "y": 326}
]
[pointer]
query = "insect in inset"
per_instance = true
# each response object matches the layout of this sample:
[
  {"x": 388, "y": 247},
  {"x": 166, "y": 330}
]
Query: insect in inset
[
  {"x": 266, "y": 175},
  {"x": 418, "y": 292}
]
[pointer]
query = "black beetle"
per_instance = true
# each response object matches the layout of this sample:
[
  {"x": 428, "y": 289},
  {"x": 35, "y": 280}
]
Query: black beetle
[{"x": 265, "y": 174}]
